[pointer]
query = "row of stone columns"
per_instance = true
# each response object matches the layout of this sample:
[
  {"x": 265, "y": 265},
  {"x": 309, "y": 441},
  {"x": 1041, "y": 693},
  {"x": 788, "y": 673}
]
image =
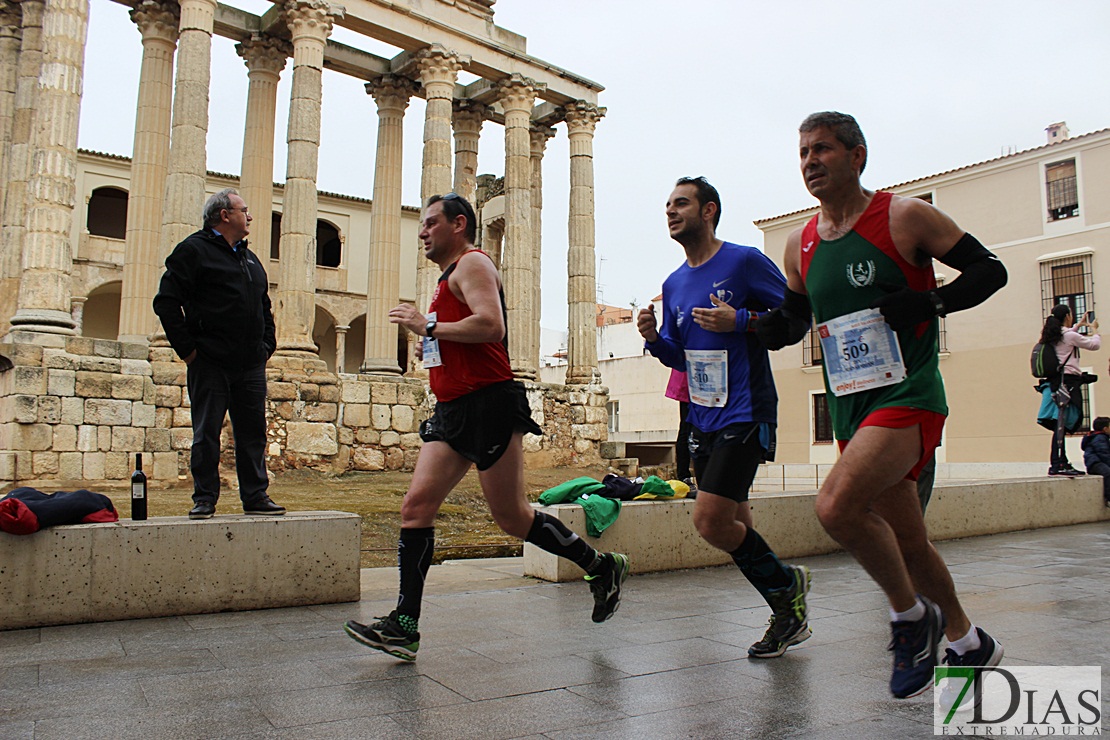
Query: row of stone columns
[{"x": 39, "y": 107}]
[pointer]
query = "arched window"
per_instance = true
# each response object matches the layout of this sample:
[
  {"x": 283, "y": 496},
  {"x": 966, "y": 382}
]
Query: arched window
[
  {"x": 329, "y": 249},
  {"x": 107, "y": 213}
]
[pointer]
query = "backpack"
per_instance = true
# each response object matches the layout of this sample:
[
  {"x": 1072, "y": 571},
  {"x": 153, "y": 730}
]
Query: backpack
[{"x": 1044, "y": 361}]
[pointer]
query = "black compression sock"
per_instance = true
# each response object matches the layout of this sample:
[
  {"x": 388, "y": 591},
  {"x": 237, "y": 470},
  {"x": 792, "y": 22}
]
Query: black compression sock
[
  {"x": 551, "y": 535},
  {"x": 761, "y": 566},
  {"x": 414, "y": 556}
]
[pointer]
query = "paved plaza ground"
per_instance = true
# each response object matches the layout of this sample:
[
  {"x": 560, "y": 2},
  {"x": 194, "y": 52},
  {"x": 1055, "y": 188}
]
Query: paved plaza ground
[{"x": 504, "y": 656}]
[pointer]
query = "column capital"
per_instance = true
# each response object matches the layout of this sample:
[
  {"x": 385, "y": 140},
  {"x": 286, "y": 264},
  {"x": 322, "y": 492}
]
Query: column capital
[
  {"x": 264, "y": 53},
  {"x": 157, "y": 20},
  {"x": 10, "y": 24},
  {"x": 518, "y": 93},
  {"x": 311, "y": 19},
  {"x": 30, "y": 11},
  {"x": 437, "y": 64},
  {"x": 582, "y": 117},
  {"x": 391, "y": 92},
  {"x": 538, "y": 136},
  {"x": 468, "y": 115}
]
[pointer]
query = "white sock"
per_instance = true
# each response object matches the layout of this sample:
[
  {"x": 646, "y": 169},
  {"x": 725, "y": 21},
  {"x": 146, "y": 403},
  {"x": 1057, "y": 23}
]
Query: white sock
[
  {"x": 967, "y": 643},
  {"x": 914, "y": 613}
]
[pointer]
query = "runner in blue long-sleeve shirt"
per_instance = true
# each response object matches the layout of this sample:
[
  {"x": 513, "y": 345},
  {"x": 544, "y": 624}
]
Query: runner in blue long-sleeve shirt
[{"x": 710, "y": 304}]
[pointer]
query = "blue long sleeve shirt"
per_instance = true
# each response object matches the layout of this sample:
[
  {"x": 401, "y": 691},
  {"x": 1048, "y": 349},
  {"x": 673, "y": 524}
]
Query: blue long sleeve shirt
[{"x": 748, "y": 281}]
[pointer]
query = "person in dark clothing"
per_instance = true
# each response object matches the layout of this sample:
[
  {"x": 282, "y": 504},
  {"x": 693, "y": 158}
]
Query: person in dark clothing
[
  {"x": 215, "y": 309},
  {"x": 1096, "y": 454}
]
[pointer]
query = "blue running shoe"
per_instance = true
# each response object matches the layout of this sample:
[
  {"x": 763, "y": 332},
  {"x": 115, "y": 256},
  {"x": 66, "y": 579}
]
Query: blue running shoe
[{"x": 915, "y": 646}]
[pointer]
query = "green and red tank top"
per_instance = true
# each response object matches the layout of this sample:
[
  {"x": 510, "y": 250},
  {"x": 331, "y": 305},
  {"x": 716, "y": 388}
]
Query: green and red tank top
[
  {"x": 466, "y": 366},
  {"x": 843, "y": 276}
]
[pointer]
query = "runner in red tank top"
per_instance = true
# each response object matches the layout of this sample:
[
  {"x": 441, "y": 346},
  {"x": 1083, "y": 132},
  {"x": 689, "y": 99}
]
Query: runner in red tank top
[{"x": 480, "y": 418}]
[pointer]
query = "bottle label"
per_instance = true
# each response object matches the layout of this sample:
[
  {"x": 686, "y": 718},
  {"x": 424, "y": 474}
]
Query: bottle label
[{"x": 137, "y": 491}]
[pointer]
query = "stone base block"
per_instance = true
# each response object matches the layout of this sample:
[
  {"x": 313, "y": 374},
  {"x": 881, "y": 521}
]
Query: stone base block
[
  {"x": 170, "y": 566},
  {"x": 660, "y": 535}
]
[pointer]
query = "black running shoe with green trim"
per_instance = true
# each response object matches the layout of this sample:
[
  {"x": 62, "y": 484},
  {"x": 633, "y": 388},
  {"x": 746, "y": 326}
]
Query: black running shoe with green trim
[
  {"x": 386, "y": 635},
  {"x": 789, "y": 622},
  {"x": 606, "y": 586}
]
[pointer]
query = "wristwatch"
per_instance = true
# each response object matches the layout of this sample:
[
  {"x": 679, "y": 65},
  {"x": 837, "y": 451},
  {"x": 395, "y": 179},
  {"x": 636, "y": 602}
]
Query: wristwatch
[
  {"x": 938, "y": 303},
  {"x": 429, "y": 328}
]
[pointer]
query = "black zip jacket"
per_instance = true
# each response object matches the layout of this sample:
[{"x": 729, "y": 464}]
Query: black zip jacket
[{"x": 214, "y": 299}]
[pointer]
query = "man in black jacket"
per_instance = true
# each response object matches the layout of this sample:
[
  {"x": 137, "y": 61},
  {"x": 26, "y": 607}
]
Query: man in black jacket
[{"x": 215, "y": 309}]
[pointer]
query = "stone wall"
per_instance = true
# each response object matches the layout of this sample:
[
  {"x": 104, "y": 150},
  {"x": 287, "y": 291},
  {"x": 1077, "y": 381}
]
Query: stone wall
[{"x": 80, "y": 410}]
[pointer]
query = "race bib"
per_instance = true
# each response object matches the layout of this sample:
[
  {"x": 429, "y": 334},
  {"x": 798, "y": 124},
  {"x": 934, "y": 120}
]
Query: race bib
[
  {"x": 861, "y": 352},
  {"x": 432, "y": 358},
  {"x": 707, "y": 376}
]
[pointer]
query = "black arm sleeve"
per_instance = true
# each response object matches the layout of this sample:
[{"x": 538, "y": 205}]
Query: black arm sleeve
[
  {"x": 981, "y": 275},
  {"x": 786, "y": 324}
]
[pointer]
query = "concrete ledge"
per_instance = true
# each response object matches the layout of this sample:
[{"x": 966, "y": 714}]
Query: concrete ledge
[
  {"x": 660, "y": 535},
  {"x": 170, "y": 566}
]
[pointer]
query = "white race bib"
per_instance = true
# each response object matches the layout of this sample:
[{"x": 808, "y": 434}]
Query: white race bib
[
  {"x": 861, "y": 352},
  {"x": 707, "y": 376},
  {"x": 432, "y": 358}
]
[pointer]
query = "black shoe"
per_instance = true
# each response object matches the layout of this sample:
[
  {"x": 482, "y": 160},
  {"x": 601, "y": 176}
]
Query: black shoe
[
  {"x": 264, "y": 507},
  {"x": 386, "y": 635},
  {"x": 1068, "y": 472},
  {"x": 606, "y": 586},
  {"x": 789, "y": 623},
  {"x": 202, "y": 510}
]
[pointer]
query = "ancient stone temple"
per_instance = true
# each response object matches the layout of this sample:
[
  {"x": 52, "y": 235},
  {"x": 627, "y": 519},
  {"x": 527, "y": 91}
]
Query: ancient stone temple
[{"x": 74, "y": 404}]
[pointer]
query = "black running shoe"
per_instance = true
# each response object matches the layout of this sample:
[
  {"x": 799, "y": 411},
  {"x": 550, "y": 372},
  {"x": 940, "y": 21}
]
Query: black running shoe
[
  {"x": 789, "y": 624},
  {"x": 915, "y": 646},
  {"x": 988, "y": 655},
  {"x": 386, "y": 635},
  {"x": 606, "y": 586}
]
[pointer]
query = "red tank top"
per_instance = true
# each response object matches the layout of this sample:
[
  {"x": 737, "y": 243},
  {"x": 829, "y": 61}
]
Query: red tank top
[{"x": 466, "y": 367}]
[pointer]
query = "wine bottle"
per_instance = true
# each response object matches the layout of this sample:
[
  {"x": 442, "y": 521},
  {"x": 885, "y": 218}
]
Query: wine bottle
[{"x": 138, "y": 490}]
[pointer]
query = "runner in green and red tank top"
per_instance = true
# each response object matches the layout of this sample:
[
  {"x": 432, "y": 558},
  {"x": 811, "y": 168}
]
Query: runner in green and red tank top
[
  {"x": 846, "y": 275},
  {"x": 865, "y": 264}
]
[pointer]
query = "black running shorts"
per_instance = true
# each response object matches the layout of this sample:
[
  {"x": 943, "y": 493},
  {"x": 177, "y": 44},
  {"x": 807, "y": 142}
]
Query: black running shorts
[
  {"x": 725, "y": 461},
  {"x": 480, "y": 425}
]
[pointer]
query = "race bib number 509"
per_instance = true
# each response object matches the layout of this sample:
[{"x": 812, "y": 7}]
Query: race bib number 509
[{"x": 861, "y": 352}]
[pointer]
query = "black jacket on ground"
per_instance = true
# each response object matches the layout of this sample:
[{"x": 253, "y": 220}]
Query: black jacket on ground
[{"x": 214, "y": 298}]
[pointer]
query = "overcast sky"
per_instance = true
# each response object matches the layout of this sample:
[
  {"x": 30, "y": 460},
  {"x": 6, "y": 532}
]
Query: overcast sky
[{"x": 700, "y": 87}]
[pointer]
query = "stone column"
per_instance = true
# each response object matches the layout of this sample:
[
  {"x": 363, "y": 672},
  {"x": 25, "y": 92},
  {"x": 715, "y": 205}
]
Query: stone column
[
  {"x": 437, "y": 69},
  {"x": 44, "y": 287},
  {"x": 341, "y": 348},
  {"x": 265, "y": 58},
  {"x": 19, "y": 158},
  {"x": 310, "y": 23},
  {"x": 184, "y": 200},
  {"x": 467, "y": 121},
  {"x": 10, "y": 35},
  {"x": 582, "y": 118},
  {"x": 539, "y": 136},
  {"x": 391, "y": 93},
  {"x": 517, "y": 95},
  {"x": 142, "y": 252}
]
